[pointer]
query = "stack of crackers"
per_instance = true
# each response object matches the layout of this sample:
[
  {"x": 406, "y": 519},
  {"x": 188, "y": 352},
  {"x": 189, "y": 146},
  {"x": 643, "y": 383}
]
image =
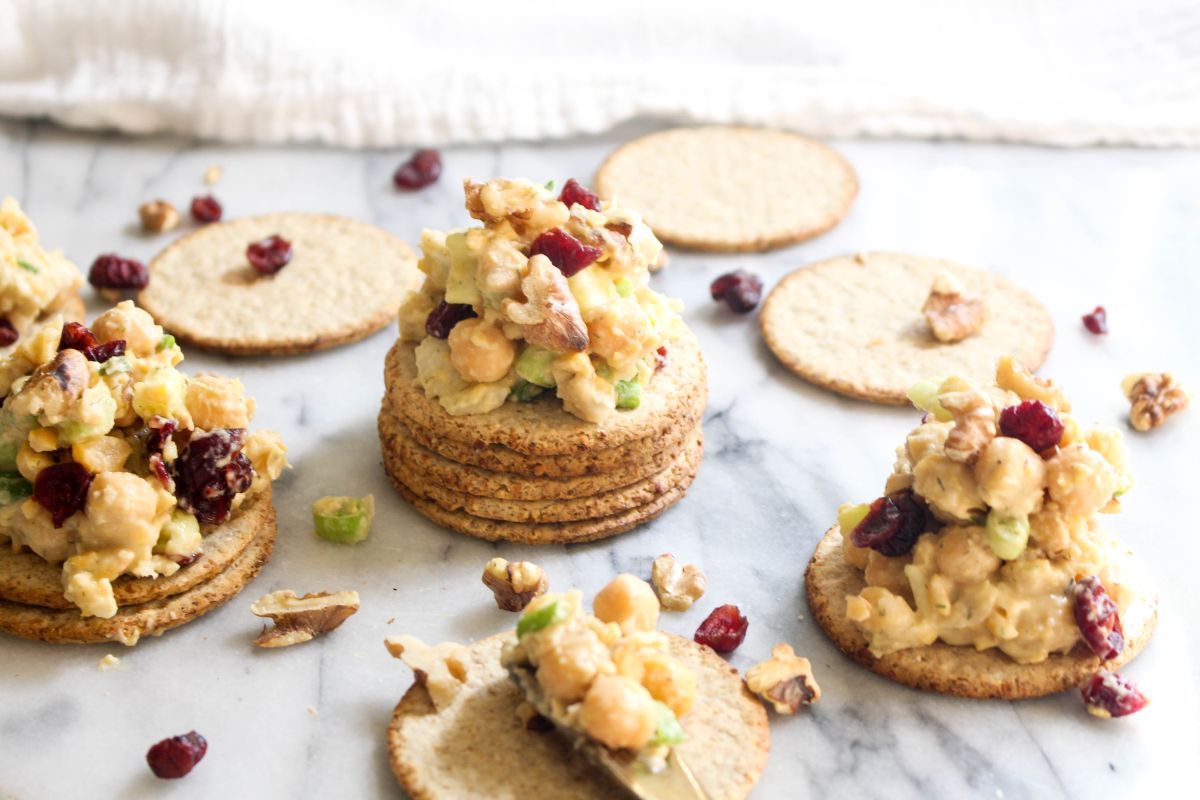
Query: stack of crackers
[
  {"x": 32, "y": 604},
  {"x": 533, "y": 473}
]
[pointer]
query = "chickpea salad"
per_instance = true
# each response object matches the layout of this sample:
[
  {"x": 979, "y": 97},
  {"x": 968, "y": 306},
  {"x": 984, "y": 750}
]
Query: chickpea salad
[
  {"x": 607, "y": 676},
  {"x": 989, "y": 533},
  {"x": 111, "y": 458},
  {"x": 551, "y": 293},
  {"x": 33, "y": 281}
]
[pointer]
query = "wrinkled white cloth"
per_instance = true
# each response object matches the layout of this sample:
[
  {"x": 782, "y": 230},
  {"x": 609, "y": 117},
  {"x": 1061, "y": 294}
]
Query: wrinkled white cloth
[{"x": 375, "y": 73}]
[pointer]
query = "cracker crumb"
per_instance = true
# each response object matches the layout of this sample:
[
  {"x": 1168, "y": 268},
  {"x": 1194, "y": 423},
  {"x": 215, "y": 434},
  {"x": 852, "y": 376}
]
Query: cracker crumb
[
  {"x": 390, "y": 621},
  {"x": 109, "y": 662},
  {"x": 212, "y": 174},
  {"x": 312, "y": 712}
]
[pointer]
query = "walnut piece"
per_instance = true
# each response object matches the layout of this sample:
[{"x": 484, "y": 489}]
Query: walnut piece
[
  {"x": 952, "y": 317},
  {"x": 441, "y": 669},
  {"x": 1153, "y": 396},
  {"x": 298, "y": 619},
  {"x": 974, "y": 420},
  {"x": 158, "y": 216},
  {"x": 1015, "y": 378},
  {"x": 677, "y": 586},
  {"x": 550, "y": 315},
  {"x": 785, "y": 680},
  {"x": 514, "y": 585}
]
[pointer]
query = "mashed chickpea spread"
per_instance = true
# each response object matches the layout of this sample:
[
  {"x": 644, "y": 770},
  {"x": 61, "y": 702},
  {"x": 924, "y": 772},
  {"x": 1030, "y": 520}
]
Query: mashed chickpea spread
[
  {"x": 544, "y": 296},
  {"x": 992, "y": 512},
  {"x": 33, "y": 281},
  {"x": 111, "y": 458},
  {"x": 609, "y": 675}
]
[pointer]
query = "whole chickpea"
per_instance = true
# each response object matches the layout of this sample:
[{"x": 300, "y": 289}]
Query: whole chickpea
[
  {"x": 480, "y": 351},
  {"x": 963, "y": 554},
  {"x": 566, "y": 671},
  {"x": 1011, "y": 477},
  {"x": 619, "y": 712},
  {"x": 669, "y": 682},
  {"x": 628, "y": 601}
]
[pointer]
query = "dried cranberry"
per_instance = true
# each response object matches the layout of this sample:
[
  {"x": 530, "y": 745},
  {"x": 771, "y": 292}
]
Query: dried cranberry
[
  {"x": 445, "y": 316},
  {"x": 8, "y": 332},
  {"x": 208, "y": 473},
  {"x": 1034, "y": 423},
  {"x": 1108, "y": 694},
  {"x": 206, "y": 209},
  {"x": 175, "y": 757},
  {"x": 565, "y": 251},
  {"x": 62, "y": 489},
  {"x": 1097, "y": 618},
  {"x": 575, "y": 192},
  {"x": 76, "y": 336},
  {"x": 422, "y": 168},
  {"x": 269, "y": 255},
  {"x": 892, "y": 525},
  {"x": 740, "y": 290},
  {"x": 111, "y": 271},
  {"x": 660, "y": 358},
  {"x": 723, "y": 630},
  {"x": 1097, "y": 321}
]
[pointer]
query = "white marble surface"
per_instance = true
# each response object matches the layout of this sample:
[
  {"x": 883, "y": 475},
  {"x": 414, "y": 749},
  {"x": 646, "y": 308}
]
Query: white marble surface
[{"x": 1077, "y": 227}]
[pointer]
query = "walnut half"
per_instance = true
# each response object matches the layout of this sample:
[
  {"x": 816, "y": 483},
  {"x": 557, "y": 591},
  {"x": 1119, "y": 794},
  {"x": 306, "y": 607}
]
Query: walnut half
[
  {"x": 514, "y": 585},
  {"x": 952, "y": 317},
  {"x": 785, "y": 680},
  {"x": 299, "y": 619},
  {"x": 1153, "y": 396},
  {"x": 158, "y": 216},
  {"x": 677, "y": 586},
  {"x": 441, "y": 669}
]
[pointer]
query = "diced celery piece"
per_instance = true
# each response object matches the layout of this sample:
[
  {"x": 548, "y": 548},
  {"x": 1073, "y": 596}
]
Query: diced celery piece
[
  {"x": 924, "y": 396},
  {"x": 624, "y": 286},
  {"x": 25, "y": 265},
  {"x": 167, "y": 343},
  {"x": 541, "y": 617},
  {"x": 344, "y": 519},
  {"x": 669, "y": 731},
  {"x": 629, "y": 393},
  {"x": 13, "y": 488},
  {"x": 14, "y": 431},
  {"x": 524, "y": 391},
  {"x": 533, "y": 365},
  {"x": 116, "y": 364},
  {"x": 182, "y": 528},
  {"x": 850, "y": 515},
  {"x": 1007, "y": 536}
]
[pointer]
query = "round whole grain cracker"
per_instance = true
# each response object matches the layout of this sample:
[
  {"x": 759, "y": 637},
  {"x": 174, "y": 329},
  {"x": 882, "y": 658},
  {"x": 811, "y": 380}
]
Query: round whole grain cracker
[
  {"x": 584, "y": 530},
  {"x": 949, "y": 669},
  {"x": 152, "y": 618},
  {"x": 604, "y": 504},
  {"x": 728, "y": 188},
  {"x": 476, "y": 745},
  {"x": 674, "y": 398},
  {"x": 29, "y": 579},
  {"x": 853, "y": 324},
  {"x": 346, "y": 280},
  {"x": 396, "y": 437}
]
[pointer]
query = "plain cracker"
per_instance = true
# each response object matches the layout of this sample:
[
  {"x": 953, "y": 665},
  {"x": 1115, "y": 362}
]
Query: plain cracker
[{"x": 854, "y": 324}]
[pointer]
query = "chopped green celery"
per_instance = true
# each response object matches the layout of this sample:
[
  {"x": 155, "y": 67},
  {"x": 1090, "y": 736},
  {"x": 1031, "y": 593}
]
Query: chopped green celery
[
  {"x": 924, "y": 396},
  {"x": 849, "y": 516},
  {"x": 524, "y": 391},
  {"x": 624, "y": 286},
  {"x": 14, "y": 431},
  {"x": 25, "y": 265},
  {"x": 167, "y": 343},
  {"x": 541, "y": 617},
  {"x": 550, "y": 185},
  {"x": 1125, "y": 482},
  {"x": 629, "y": 393},
  {"x": 1007, "y": 536},
  {"x": 180, "y": 525},
  {"x": 13, "y": 488},
  {"x": 116, "y": 364},
  {"x": 344, "y": 519},
  {"x": 669, "y": 731},
  {"x": 533, "y": 365}
]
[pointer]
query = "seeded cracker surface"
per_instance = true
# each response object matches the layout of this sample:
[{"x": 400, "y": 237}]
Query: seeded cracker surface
[
  {"x": 27, "y": 578},
  {"x": 477, "y": 741},
  {"x": 961, "y": 671},
  {"x": 158, "y": 616},
  {"x": 730, "y": 188},
  {"x": 853, "y": 324},
  {"x": 345, "y": 281}
]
